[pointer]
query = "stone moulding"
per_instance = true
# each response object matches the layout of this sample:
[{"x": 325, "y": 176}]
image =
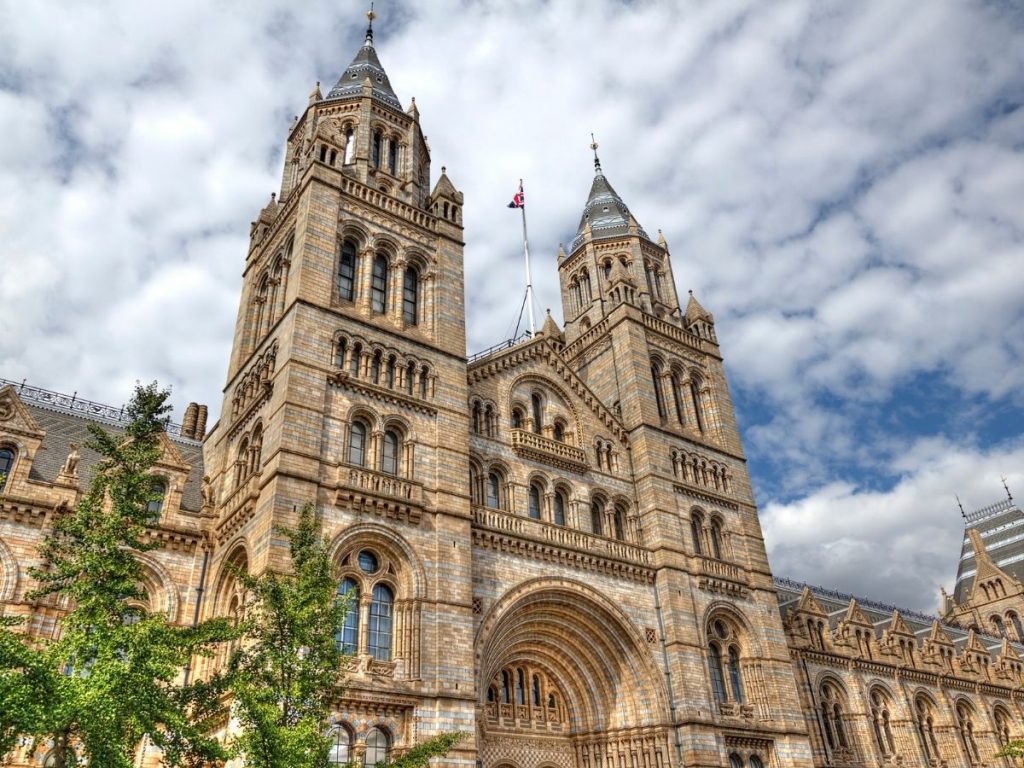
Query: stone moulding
[{"x": 533, "y": 446}]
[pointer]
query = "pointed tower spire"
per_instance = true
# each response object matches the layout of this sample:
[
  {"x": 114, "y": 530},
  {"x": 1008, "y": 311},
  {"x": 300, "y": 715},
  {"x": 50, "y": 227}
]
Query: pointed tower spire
[
  {"x": 366, "y": 67},
  {"x": 605, "y": 211}
]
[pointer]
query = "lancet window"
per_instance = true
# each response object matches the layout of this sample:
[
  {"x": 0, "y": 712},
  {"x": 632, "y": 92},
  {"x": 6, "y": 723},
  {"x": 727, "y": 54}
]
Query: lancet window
[
  {"x": 724, "y": 662},
  {"x": 881, "y": 723}
]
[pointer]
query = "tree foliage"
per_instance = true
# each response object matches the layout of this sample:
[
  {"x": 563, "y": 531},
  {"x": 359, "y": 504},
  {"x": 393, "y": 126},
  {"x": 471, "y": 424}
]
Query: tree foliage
[
  {"x": 112, "y": 677},
  {"x": 286, "y": 674}
]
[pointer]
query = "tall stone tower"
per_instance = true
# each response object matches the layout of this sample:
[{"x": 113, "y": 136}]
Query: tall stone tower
[
  {"x": 347, "y": 388},
  {"x": 659, "y": 367}
]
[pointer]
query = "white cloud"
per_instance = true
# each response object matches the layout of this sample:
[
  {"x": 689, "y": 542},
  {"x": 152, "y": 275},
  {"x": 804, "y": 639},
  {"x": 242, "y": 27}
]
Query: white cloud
[{"x": 839, "y": 183}]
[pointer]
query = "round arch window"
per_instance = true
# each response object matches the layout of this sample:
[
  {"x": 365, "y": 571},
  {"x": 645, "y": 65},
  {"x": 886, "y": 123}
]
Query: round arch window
[{"x": 368, "y": 562}]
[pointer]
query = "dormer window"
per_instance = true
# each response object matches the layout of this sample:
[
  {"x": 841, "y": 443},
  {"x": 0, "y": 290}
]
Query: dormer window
[{"x": 6, "y": 465}]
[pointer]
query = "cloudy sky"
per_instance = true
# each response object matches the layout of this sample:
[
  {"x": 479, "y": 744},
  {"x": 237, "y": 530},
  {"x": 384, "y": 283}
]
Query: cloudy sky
[{"x": 840, "y": 183}]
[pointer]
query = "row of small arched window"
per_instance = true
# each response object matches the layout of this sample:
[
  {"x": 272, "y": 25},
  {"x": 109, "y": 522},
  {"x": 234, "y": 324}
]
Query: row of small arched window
[
  {"x": 347, "y": 282},
  {"x": 689, "y": 400},
  {"x": 389, "y": 457},
  {"x": 250, "y": 451},
  {"x": 268, "y": 300},
  {"x": 581, "y": 293},
  {"x": 384, "y": 150},
  {"x": 492, "y": 491},
  {"x": 377, "y": 747},
  {"x": 382, "y": 368}
]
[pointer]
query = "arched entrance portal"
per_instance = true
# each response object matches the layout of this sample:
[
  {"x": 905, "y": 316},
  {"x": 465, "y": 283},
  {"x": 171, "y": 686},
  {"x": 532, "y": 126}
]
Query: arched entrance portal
[{"x": 565, "y": 680}]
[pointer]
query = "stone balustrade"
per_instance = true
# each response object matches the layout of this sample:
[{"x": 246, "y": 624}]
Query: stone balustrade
[{"x": 533, "y": 446}]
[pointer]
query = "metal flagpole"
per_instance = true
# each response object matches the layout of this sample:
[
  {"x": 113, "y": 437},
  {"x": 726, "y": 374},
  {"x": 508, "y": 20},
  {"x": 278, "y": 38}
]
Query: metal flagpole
[{"x": 529, "y": 280}]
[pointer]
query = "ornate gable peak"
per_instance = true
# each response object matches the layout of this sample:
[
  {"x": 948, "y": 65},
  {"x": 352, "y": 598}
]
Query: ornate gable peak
[
  {"x": 973, "y": 644},
  {"x": 541, "y": 348},
  {"x": 169, "y": 455},
  {"x": 1007, "y": 652},
  {"x": 987, "y": 570},
  {"x": 15, "y": 417},
  {"x": 855, "y": 614},
  {"x": 898, "y": 625},
  {"x": 808, "y": 604},
  {"x": 938, "y": 634}
]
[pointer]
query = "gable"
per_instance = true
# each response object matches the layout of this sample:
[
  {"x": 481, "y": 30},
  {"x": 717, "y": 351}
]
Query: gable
[
  {"x": 499, "y": 376},
  {"x": 15, "y": 418}
]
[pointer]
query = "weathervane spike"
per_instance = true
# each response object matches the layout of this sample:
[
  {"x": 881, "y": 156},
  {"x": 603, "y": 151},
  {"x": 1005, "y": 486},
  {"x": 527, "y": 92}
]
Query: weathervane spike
[
  {"x": 962, "y": 513},
  {"x": 370, "y": 16},
  {"x": 1008, "y": 494},
  {"x": 593, "y": 146}
]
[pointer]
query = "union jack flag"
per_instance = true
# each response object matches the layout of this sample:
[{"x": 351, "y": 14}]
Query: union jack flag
[{"x": 518, "y": 199}]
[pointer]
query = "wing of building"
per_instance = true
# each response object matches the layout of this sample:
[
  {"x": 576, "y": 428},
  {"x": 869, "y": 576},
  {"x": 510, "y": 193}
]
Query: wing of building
[{"x": 554, "y": 545}]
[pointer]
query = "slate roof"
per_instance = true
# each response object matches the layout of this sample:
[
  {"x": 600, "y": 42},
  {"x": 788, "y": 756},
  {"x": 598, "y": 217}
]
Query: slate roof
[
  {"x": 365, "y": 65},
  {"x": 836, "y": 603},
  {"x": 1001, "y": 527},
  {"x": 607, "y": 214},
  {"x": 63, "y": 428}
]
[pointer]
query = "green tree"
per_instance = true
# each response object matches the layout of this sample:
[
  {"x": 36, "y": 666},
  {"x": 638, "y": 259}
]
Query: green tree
[
  {"x": 113, "y": 675},
  {"x": 286, "y": 674}
]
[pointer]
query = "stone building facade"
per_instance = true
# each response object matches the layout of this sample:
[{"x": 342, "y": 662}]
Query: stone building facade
[{"x": 553, "y": 545}]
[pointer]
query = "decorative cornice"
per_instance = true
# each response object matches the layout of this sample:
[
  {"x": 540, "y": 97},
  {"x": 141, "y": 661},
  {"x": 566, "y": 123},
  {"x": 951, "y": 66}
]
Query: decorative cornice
[{"x": 343, "y": 380}]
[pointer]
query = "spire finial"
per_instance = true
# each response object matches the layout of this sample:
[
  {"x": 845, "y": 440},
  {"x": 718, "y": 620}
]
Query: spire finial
[
  {"x": 597, "y": 161},
  {"x": 370, "y": 16},
  {"x": 962, "y": 513},
  {"x": 1008, "y": 494}
]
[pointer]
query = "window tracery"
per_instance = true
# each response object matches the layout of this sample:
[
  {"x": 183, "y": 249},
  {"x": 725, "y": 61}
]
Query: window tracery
[{"x": 724, "y": 655}]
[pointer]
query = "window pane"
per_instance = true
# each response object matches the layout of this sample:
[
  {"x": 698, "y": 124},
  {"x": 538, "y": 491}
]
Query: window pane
[
  {"x": 389, "y": 459},
  {"x": 341, "y": 746},
  {"x": 376, "y": 748},
  {"x": 347, "y": 271},
  {"x": 715, "y": 667},
  {"x": 156, "y": 502},
  {"x": 559, "y": 509},
  {"x": 6, "y": 464},
  {"x": 357, "y": 444},
  {"x": 493, "y": 490},
  {"x": 377, "y": 138},
  {"x": 348, "y": 636},
  {"x": 379, "y": 285},
  {"x": 379, "y": 635},
  {"x": 735, "y": 681},
  {"x": 410, "y": 296},
  {"x": 596, "y": 513},
  {"x": 534, "y": 502},
  {"x": 392, "y": 156}
]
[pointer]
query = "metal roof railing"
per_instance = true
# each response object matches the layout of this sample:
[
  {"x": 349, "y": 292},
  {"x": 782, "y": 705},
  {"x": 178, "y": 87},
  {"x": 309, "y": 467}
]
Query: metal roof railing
[
  {"x": 499, "y": 347},
  {"x": 58, "y": 401}
]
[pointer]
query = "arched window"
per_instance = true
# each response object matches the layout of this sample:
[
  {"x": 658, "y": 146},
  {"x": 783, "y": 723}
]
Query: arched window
[
  {"x": 676, "y": 399},
  {"x": 558, "y": 432},
  {"x": 242, "y": 461},
  {"x": 715, "y": 535},
  {"x": 347, "y": 271},
  {"x": 926, "y": 728},
  {"x": 389, "y": 373},
  {"x": 881, "y": 725},
  {"x": 832, "y": 717},
  {"x": 695, "y": 396},
  {"x": 735, "y": 761},
  {"x": 506, "y": 687},
  {"x": 696, "y": 524},
  {"x": 1002, "y": 723},
  {"x": 355, "y": 362},
  {"x": 339, "y": 353},
  {"x": 724, "y": 661},
  {"x": 424, "y": 381},
  {"x": 534, "y": 506},
  {"x": 348, "y": 634},
  {"x": 349, "y": 145},
  {"x": 997, "y": 626},
  {"x": 155, "y": 505},
  {"x": 478, "y": 415},
  {"x": 1011, "y": 617},
  {"x": 410, "y": 295},
  {"x": 965, "y": 725},
  {"x": 536, "y": 690},
  {"x": 375, "y": 362},
  {"x": 490, "y": 424},
  {"x": 538, "y": 412},
  {"x": 341, "y": 745},
  {"x": 517, "y": 418},
  {"x": 378, "y": 643},
  {"x": 520, "y": 687},
  {"x": 389, "y": 452},
  {"x": 596, "y": 517},
  {"x": 559, "y": 508},
  {"x": 357, "y": 444},
  {"x": 378, "y": 139},
  {"x": 619, "y": 521},
  {"x": 378, "y": 748},
  {"x": 256, "y": 450},
  {"x": 493, "y": 490},
  {"x": 656, "y": 379},
  {"x": 755, "y": 762},
  {"x": 379, "y": 284},
  {"x": 6, "y": 465},
  {"x": 392, "y": 156}
]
